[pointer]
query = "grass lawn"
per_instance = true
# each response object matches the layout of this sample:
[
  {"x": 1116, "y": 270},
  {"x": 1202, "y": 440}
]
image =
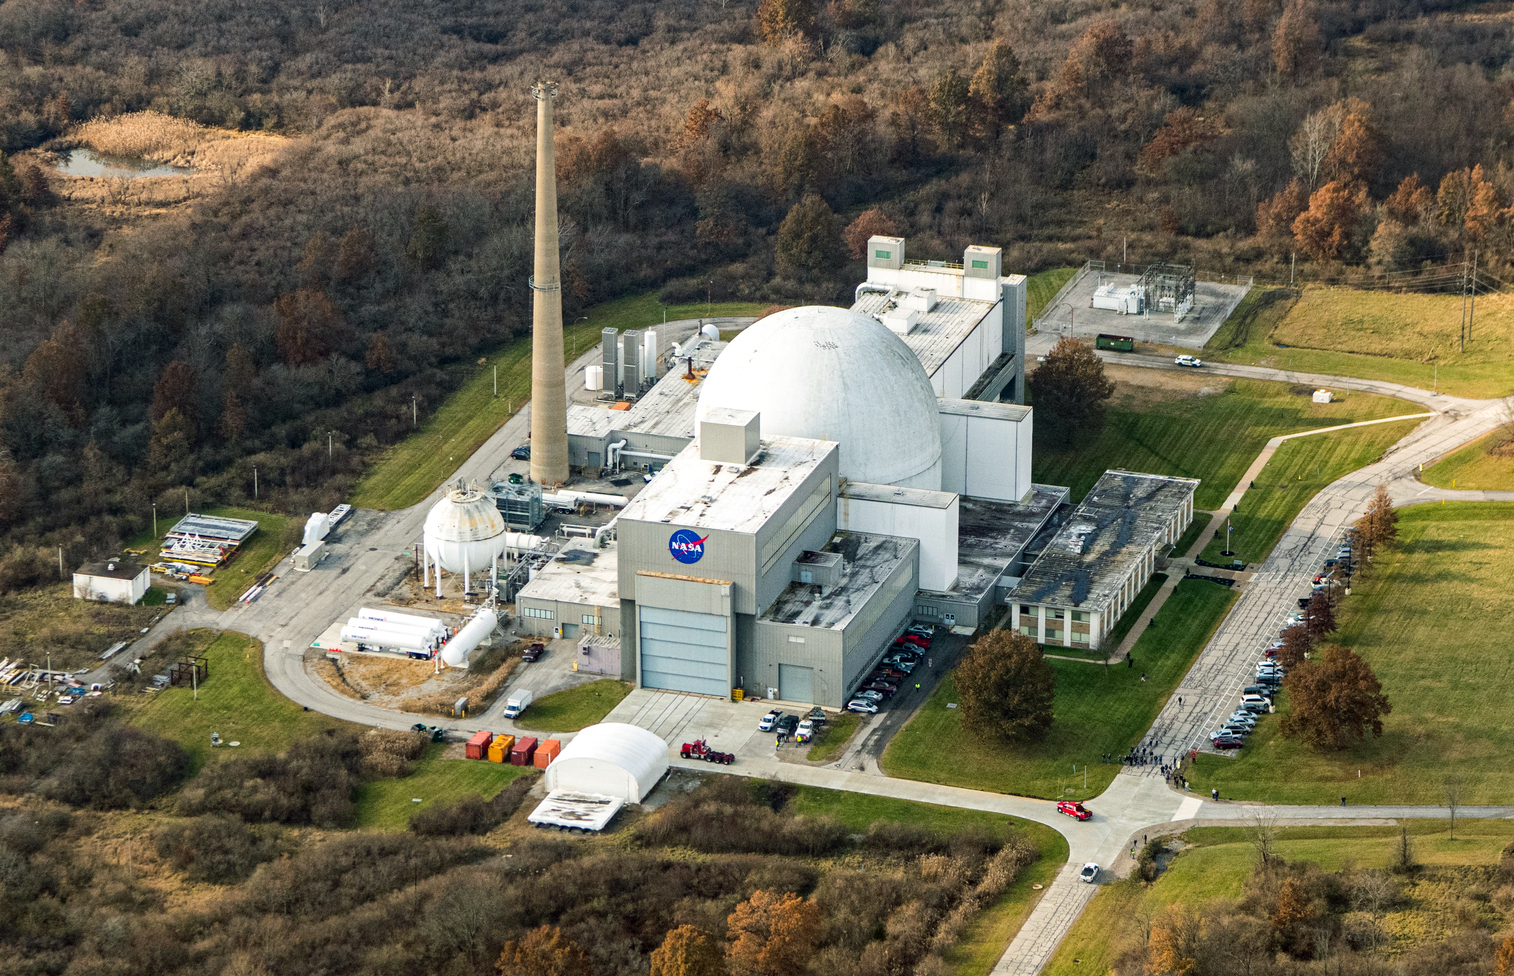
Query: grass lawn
[
  {"x": 1223, "y": 858},
  {"x": 838, "y": 732},
  {"x": 1409, "y": 339},
  {"x": 388, "y": 804},
  {"x": 1041, "y": 287},
  {"x": 1098, "y": 709},
  {"x": 986, "y": 937},
  {"x": 1195, "y": 529},
  {"x": 1476, "y": 466},
  {"x": 1196, "y": 426},
  {"x": 412, "y": 469},
  {"x": 575, "y": 708},
  {"x": 1292, "y": 476},
  {"x": 1132, "y": 613},
  {"x": 1432, "y": 619},
  {"x": 236, "y": 700}
]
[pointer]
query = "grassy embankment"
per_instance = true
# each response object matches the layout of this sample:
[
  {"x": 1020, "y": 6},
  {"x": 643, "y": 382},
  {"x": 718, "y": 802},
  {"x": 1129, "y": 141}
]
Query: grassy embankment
[
  {"x": 1223, "y": 858},
  {"x": 1432, "y": 619},
  {"x": 236, "y": 700},
  {"x": 412, "y": 469},
  {"x": 1408, "y": 339},
  {"x": 1292, "y": 476},
  {"x": 986, "y": 936},
  {"x": 576, "y": 708},
  {"x": 1197, "y": 425},
  {"x": 1098, "y": 709},
  {"x": 1486, "y": 464},
  {"x": 838, "y": 732},
  {"x": 387, "y": 804},
  {"x": 1041, "y": 287}
]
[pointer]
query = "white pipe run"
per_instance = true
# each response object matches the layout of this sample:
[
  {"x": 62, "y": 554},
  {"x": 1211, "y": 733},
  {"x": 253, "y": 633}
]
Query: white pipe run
[
  {"x": 455, "y": 652},
  {"x": 612, "y": 454},
  {"x": 570, "y": 498}
]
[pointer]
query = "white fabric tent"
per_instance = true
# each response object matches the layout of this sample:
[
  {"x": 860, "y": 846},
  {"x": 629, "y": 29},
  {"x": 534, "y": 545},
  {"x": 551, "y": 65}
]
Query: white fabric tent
[{"x": 612, "y": 759}]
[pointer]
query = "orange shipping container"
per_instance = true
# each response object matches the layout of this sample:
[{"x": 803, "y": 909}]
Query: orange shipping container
[
  {"x": 478, "y": 746},
  {"x": 546, "y": 752},
  {"x": 499, "y": 749}
]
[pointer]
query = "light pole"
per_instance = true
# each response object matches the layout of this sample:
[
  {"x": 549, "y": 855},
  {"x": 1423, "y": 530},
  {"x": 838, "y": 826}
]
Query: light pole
[
  {"x": 1071, "y": 312},
  {"x": 154, "y": 520},
  {"x": 412, "y": 410},
  {"x": 329, "y": 448}
]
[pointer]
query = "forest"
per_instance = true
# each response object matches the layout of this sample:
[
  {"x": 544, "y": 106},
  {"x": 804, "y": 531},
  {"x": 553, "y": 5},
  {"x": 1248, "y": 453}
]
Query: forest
[{"x": 335, "y": 288}]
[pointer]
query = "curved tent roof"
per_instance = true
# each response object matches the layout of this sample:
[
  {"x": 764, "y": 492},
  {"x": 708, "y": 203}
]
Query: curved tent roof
[{"x": 610, "y": 758}]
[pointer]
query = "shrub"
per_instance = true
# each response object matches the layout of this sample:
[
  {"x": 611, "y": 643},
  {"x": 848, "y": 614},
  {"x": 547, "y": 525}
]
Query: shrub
[
  {"x": 472, "y": 814},
  {"x": 314, "y": 783},
  {"x": 212, "y": 848}
]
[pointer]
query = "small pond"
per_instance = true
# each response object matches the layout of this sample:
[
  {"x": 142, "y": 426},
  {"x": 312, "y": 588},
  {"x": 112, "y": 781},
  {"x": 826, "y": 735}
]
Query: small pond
[{"x": 87, "y": 162}]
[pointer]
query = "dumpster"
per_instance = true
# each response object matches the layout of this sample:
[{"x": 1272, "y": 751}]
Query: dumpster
[
  {"x": 546, "y": 752},
  {"x": 499, "y": 749},
  {"x": 478, "y": 746},
  {"x": 523, "y": 752}
]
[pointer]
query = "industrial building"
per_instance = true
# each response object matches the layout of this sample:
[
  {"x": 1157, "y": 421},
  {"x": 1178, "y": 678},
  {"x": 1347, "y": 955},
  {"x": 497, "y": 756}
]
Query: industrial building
[
  {"x": 575, "y": 594},
  {"x": 113, "y": 581},
  {"x": 1096, "y": 563}
]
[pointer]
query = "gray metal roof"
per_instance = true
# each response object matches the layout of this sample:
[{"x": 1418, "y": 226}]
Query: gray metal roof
[
  {"x": 1121, "y": 517},
  {"x": 579, "y": 574},
  {"x": 939, "y": 332},
  {"x": 918, "y": 497},
  {"x": 867, "y": 563},
  {"x": 992, "y": 534}
]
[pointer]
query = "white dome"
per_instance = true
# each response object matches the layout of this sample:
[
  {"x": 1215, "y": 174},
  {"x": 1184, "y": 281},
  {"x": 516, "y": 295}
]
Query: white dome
[
  {"x": 610, "y": 758},
  {"x": 831, "y": 374},
  {"x": 464, "y": 530}
]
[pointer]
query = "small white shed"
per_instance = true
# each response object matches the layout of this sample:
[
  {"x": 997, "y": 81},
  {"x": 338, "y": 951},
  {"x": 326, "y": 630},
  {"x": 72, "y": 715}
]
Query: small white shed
[
  {"x": 113, "y": 581},
  {"x": 611, "y": 759}
]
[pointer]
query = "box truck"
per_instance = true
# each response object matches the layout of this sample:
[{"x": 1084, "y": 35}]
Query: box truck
[{"x": 517, "y": 703}]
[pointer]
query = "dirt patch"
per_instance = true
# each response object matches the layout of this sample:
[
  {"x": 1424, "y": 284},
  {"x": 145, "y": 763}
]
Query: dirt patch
[
  {"x": 47, "y": 620},
  {"x": 1137, "y": 388},
  {"x": 414, "y": 686}
]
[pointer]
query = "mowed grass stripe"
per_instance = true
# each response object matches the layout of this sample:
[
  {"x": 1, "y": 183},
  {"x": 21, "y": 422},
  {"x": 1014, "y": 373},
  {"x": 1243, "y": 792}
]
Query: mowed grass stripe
[
  {"x": 1213, "y": 437},
  {"x": 1099, "y": 709},
  {"x": 1041, "y": 287},
  {"x": 1486, "y": 464},
  {"x": 1297, "y": 472},
  {"x": 416, "y": 466},
  {"x": 1433, "y": 620},
  {"x": 388, "y": 804}
]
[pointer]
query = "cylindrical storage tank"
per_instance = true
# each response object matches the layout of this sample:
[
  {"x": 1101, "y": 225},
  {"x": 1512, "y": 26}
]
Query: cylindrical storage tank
[
  {"x": 711, "y": 332},
  {"x": 395, "y": 617},
  {"x": 594, "y": 378},
  {"x": 455, "y": 652},
  {"x": 465, "y": 529},
  {"x": 649, "y": 354}
]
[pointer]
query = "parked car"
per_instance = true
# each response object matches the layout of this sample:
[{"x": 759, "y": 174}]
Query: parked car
[
  {"x": 862, "y": 705},
  {"x": 907, "y": 647},
  {"x": 1255, "y": 703},
  {"x": 1331, "y": 564},
  {"x": 883, "y": 686},
  {"x": 1188, "y": 361},
  {"x": 1075, "y": 810},
  {"x": 924, "y": 630},
  {"x": 1090, "y": 872},
  {"x": 1262, "y": 690},
  {"x": 534, "y": 652},
  {"x": 902, "y": 664},
  {"x": 1242, "y": 718},
  {"x": 522, "y": 453},
  {"x": 891, "y": 674},
  {"x": 919, "y": 640},
  {"x": 769, "y": 720},
  {"x": 870, "y": 695},
  {"x": 1229, "y": 742}
]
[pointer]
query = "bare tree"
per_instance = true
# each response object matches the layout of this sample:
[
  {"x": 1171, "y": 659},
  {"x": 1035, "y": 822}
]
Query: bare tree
[
  {"x": 1311, "y": 143},
  {"x": 1453, "y": 799},
  {"x": 1264, "y": 837},
  {"x": 1373, "y": 892}
]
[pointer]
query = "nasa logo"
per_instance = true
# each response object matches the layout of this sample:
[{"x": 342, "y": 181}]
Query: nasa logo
[{"x": 686, "y": 546}]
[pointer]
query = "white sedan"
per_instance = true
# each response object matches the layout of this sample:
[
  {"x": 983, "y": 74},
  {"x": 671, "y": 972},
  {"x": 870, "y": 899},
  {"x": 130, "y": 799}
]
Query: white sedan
[
  {"x": 862, "y": 705},
  {"x": 1188, "y": 361}
]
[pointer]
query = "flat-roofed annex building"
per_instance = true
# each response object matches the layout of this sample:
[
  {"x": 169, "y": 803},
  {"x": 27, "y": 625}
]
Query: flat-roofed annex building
[{"x": 1099, "y": 559}]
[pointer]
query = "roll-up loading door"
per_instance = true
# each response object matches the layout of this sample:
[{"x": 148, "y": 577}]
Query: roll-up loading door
[
  {"x": 685, "y": 651},
  {"x": 796, "y": 683}
]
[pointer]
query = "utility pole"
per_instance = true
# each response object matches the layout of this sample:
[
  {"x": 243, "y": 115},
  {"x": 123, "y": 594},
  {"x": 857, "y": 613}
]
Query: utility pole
[
  {"x": 1292, "y": 263},
  {"x": 709, "y": 299},
  {"x": 1463, "y": 344},
  {"x": 60, "y": 562},
  {"x": 254, "y": 488},
  {"x": 1472, "y": 310},
  {"x": 496, "y": 381},
  {"x": 155, "y": 519},
  {"x": 1124, "y": 251},
  {"x": 186, "y": 501},
  {"x": 412, "y": 410},
  {"x": 329, "y": 450}
]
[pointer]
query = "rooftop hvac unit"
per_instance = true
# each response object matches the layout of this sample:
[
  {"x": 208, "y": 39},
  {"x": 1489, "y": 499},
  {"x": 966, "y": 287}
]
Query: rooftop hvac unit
[
  {"x": 610, "y": 358},
  {"x": 630, "y": 357}
]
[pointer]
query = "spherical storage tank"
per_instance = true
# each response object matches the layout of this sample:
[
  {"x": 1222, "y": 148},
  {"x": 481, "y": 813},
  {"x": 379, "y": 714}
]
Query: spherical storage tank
[
  {"x": 831, "y": 374},
  {"x": 464, "y": 531}
]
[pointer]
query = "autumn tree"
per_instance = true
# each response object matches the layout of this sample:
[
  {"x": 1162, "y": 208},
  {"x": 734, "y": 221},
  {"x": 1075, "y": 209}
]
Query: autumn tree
[
  {"x": 310, "y": 327},
  {"x": 178, "y": 388},
  {"x": 1276, "y": 214},
  {"x": 996, "y": 93},
  {"x": 428, "y": 237},
  {"x": 869, "y": 223},
  {"x": 1324, "y": 230},
  {"x": 1391, "y": 248},
  {"x": 1319, "y": 615},
  {"x": 1101, "y": 56},
  {"x": 56, "y": 369},
  {"x": 1182, "y": 130},
  {"x": 1357, "y": 151},
  {"x": 354, "y": 254},
  {"x": 1007, "y": 687},
  {"x": 800, "y": 164},
  {"x": 1411, "y": 202},
  {"x": 1297, "y": 643},
  {"x": 808, "y": 242},
  {"x": 688, "y": 951},
  {"x": 1334, "y": 700},
  {"x": 543, "y": 951},
  {"x": 779, "y": 20},
  {"x": 948, "y": 107},
  {"x": 317, "y": 261},
  {"x": 1069, "y": 390},
  {"x": 233, "y": 416},
  {"x": 1503, "y": 959},
  {"x": 380, "y": 354},
  {"x": 1292, "y": 914},
  {"x": 1378, "y": 525},
  {"x": 1297, "y": 41},
  {"x": 1176, "y": 941},
  {"x": 772, "y": 934}
]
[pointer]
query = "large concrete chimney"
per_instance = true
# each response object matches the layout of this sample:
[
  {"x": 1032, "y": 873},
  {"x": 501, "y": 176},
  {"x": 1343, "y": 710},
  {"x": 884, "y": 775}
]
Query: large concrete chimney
[{"x": 549, "y": 394}]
